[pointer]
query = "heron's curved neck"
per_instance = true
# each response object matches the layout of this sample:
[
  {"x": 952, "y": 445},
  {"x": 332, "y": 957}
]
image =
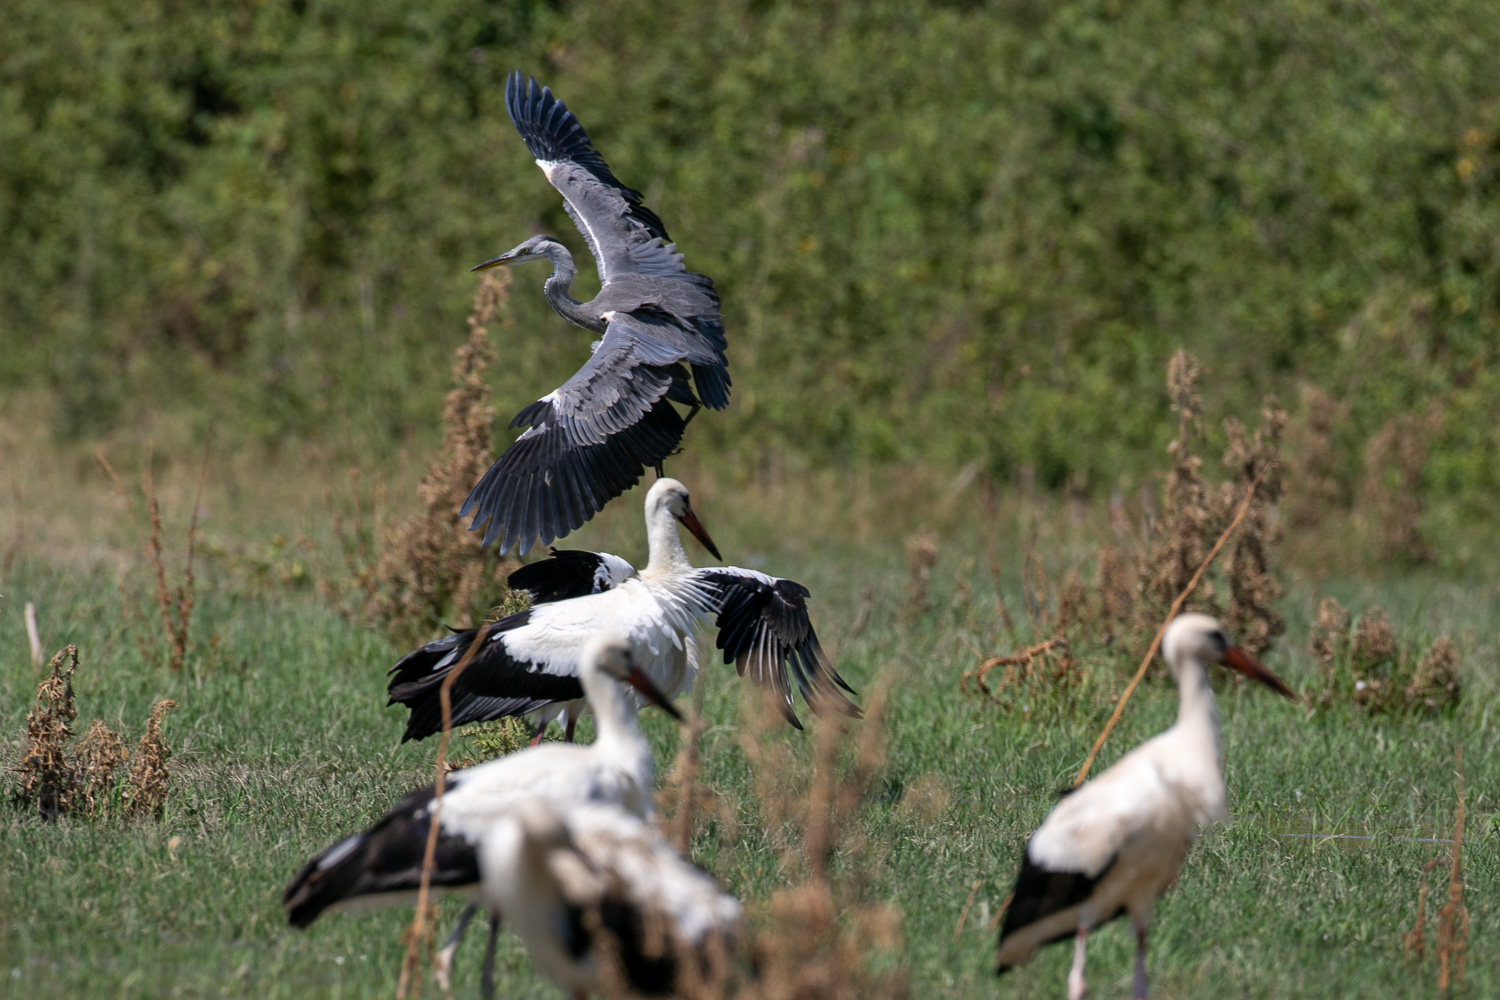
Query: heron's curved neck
[
  {"x": 558, "y": 291},
  {"x": 664, "y": 543}
]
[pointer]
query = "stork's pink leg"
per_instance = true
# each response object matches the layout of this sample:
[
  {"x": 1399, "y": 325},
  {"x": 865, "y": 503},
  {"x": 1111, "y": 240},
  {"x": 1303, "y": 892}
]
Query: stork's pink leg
[
  {"x": 541, "y": 731},
  {"x": 1076, "y": 984}
]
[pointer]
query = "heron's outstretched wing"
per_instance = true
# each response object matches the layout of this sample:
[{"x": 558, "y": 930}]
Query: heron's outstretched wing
[
  {"x": 623, "y": 235},
  {"x": 764, "y": 629},
  {"x": 591, "y": 439},
  {"x": 570, "y": 573}
]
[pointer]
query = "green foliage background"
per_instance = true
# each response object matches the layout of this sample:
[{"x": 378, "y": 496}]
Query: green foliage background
[{"x": 941, "y": 230}]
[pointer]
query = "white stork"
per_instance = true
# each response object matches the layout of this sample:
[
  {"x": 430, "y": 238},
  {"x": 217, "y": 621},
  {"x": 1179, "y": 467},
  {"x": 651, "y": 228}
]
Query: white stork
[
  {"x": 604, "y": 904},
  {"x": 529, "y": 662},
  {"x": 382, "y": 866},
  {"x": 1114, "y": 846}
]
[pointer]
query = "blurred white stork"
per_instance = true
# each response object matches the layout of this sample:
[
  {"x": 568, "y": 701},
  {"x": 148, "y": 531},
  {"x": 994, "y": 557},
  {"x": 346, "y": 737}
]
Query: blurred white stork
[
  {"x": 528, "y": 664},
  {"x": 604, "y": 904},
  {"x": 1114, "y": 846},
  {"x": 382, "y": 866}
]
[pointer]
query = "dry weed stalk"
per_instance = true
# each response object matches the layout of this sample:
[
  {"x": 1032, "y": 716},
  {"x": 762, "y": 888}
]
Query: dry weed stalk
[
  {"x": 1436, "y": 682},
  {"x": 46, "y": 776},
  {"x": 431, "y": 566},
  {"x": 1328, "y": 642},
  {"x": 681, "y": 791},
  {"x": 1313, "y": 460},
  {"x": 1415, "y": 940},
  {"x": 146, "y": 792},
  {"x": 418, "y": 936},
  {"x": 1453, "y": 916},
  {"x": 1113, "y": 583},
  {"x": 1391, "y": 496},
  {"x": 1366, "y": 663},
  {"x": 820, "y": 932},
  {"x": 1048, "y": 663},
  {"x": 921, "y": 557},
  {"x": 175, "y": 604},
  {"x": 96, "y": 760},
  {"x": 1176, "y": 606},
  {"x": 1255, "y": 462}
]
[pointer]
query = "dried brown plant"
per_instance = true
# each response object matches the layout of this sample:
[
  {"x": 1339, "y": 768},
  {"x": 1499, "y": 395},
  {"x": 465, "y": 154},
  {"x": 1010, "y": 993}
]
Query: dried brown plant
[
  {"x": 1114, "y": 585},
  {"x": 1415, "y": 940},
  {"x": 1048, "y": 664},
  {"x": 1453, "y": 916},
  {"x": 819, "y": 934},
  {"x": 1255, "y": 464},
  {"x": 430, "y": 566},
  {"x": 146, "y": 789},
  {"x": 96, "y": 760},
  {"x": 174, "y": 604},
  {"x": 1391, "y": 496},
  {"x": 1328, "y": 642},
  {"x": 1188, "y": 508},
  {"x": 1436, "y": 683},
  {"x": 921, "y": 557},
  {"x": 1313, "y": 460},
  {"x": 47, "y": 778}
]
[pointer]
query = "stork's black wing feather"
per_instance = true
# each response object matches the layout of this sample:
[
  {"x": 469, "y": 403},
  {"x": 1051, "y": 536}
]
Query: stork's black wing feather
[
  {"x": 765, "y": 630},
  {"x": 385, "y": 859},
  {"x": 493, "y": 686},
  {"x": 570, "y": 573},
  {"x": 1039, "y": 893},
  {"x": 590, "y": 440}
]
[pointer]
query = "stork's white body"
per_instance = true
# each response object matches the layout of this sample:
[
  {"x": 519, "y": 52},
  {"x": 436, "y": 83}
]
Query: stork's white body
[
  {"x": 562, "y": 875},
  {"x": 1117, "y": 843}
]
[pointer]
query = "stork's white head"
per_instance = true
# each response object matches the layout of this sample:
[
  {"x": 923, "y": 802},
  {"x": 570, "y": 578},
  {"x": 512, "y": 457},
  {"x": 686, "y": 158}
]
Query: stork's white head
[
  {"x": 671, "y": 497},
  {"x": 613, "y": 657},
  {"x": 1198, "y": 638}
]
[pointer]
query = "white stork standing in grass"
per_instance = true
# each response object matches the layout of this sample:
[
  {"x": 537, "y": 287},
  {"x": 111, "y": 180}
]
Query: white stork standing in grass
[
  {"x": 529, "y": 662},
  {"x": 605, "y": 905},
  {"x": 1114, "y": 846},
  {"x": 382, "y": 866}
]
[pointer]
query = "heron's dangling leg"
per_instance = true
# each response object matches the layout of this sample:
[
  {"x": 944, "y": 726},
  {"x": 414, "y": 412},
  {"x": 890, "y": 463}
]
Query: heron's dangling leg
[
  {"x": 1140, "y": 963},
  {"x": 442, "y": 962},
  {"x": 487, "y": 974},
  {"x": 1076, "y": 984}
]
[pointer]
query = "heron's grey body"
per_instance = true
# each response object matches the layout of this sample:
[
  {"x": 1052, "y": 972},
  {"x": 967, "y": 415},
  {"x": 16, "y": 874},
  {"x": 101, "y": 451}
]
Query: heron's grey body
[{"x": 592, "y": 438}]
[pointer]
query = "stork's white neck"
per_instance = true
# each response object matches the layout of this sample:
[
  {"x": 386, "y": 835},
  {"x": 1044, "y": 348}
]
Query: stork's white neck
[
  {"x": 1197, "y": 712},
  {"x": 664, "y": 543}
]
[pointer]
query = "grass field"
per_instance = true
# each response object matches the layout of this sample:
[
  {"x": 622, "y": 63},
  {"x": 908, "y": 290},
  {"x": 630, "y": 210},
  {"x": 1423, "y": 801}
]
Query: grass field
[{"x": 282, "y": 744}]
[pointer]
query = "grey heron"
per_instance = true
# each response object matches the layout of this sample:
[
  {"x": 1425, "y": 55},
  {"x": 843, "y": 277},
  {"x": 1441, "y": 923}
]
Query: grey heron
[
  {"x": 592, "y": 438},
  {"x": 1114, "y": 846},
  {"x": 529, "y": 661}
]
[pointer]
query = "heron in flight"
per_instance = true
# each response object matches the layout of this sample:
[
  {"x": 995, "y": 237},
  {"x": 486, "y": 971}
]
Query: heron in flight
[{"x": 592, "y": 438}]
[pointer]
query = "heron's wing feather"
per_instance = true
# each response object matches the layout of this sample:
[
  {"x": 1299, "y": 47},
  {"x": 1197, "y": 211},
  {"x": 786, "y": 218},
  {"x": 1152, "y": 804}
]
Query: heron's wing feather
[
  {"x": 765, "y": 630},
  {"x": 494, "y": 685},
  {"x": 570, "y": 573},
  {"x": 588, "y": 441},
  {"x": 623, "y": 235}
]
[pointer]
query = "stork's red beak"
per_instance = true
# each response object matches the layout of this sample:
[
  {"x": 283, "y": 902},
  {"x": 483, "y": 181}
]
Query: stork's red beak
[
  {"x": 1251, "y": 667},
  {"x": 638, "y": 680},
  {"x": 690, "y": 520}
]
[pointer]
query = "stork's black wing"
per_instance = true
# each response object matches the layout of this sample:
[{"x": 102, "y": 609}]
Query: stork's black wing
[
  {"x": 385, "y": 860},
  {"x": 494, "y": 685},
  {"x": 570, "y": 573},
  {"x": 593, "y": 438},
  {"x": 1040, "y": 892},
  {"x": 764, "y": 630}
]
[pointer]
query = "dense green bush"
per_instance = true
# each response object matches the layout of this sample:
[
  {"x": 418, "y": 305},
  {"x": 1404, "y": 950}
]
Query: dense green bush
[{"x": 941, "y": 230}]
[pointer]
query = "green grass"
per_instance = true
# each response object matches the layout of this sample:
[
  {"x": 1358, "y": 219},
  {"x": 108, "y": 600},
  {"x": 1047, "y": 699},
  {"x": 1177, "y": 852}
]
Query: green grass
[{"x": 282, "y": 745}]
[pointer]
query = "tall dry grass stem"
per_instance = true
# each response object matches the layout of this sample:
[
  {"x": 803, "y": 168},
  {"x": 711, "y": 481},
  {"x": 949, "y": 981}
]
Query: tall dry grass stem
[
  {"x": 1114, "y": 717},
  {"x": 33, "y": 635},
  {"x": 417, "y": 934}
]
